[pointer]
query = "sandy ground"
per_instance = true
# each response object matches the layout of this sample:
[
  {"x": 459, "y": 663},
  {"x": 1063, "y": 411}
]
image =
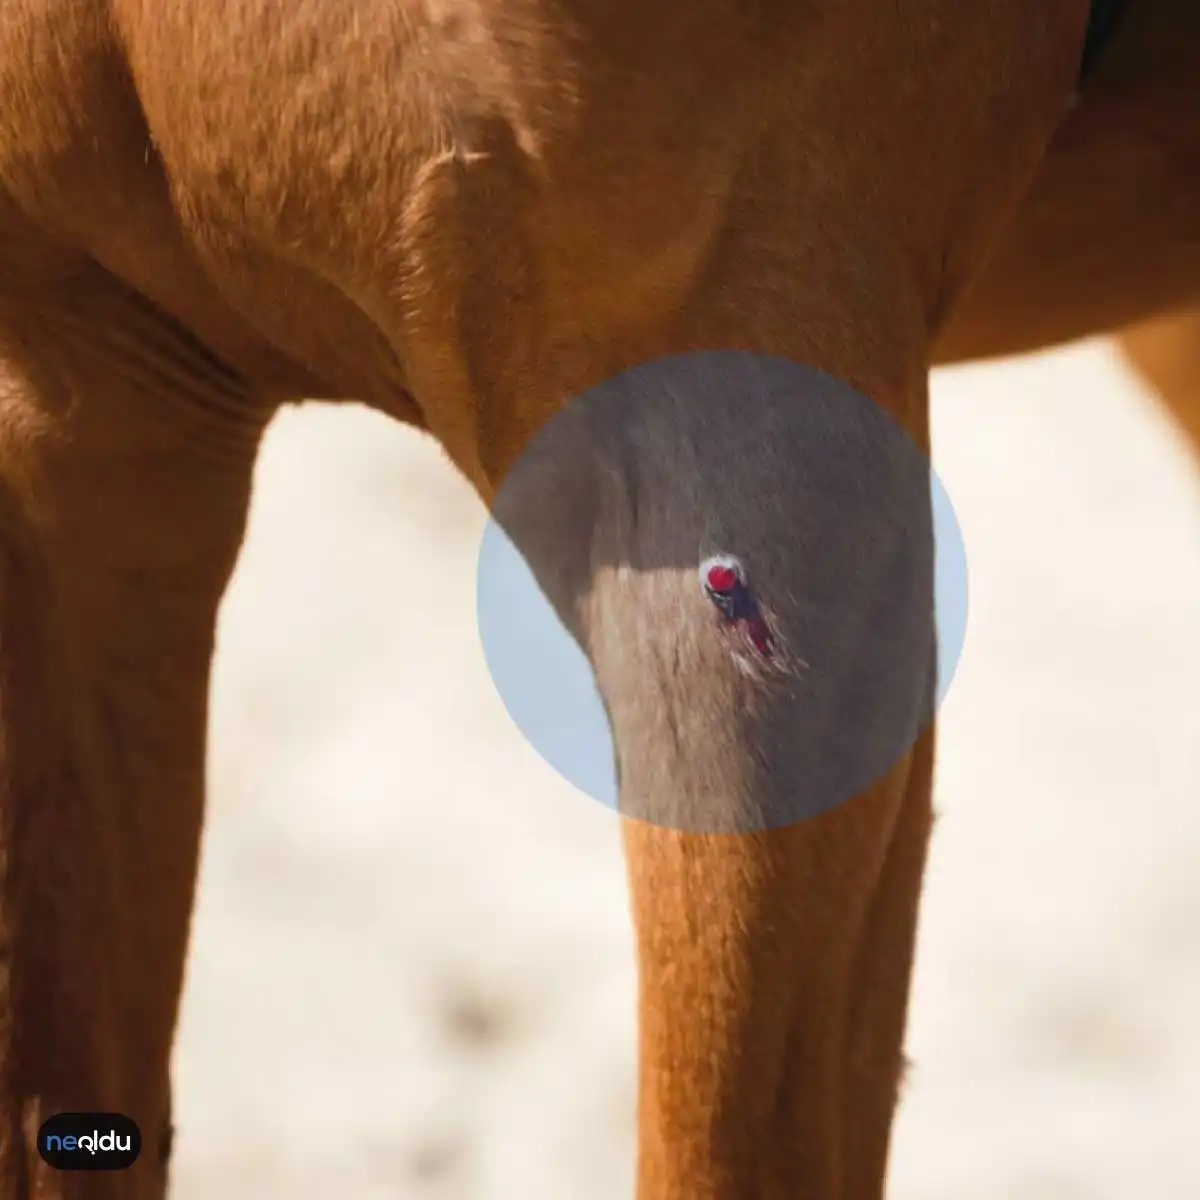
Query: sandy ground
[{"x": 412, "y": 971}]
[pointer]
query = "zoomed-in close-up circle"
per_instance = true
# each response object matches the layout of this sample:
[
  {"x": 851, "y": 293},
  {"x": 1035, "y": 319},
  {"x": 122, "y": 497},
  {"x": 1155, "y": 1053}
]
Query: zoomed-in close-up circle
[{"x": 735, "y": 518}]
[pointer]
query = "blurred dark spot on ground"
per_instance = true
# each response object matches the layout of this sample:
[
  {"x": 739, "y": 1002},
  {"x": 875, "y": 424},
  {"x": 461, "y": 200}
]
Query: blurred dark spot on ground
[
  {"x": 474, "y": 1020},
  {"x": 435, "y": 1160}
]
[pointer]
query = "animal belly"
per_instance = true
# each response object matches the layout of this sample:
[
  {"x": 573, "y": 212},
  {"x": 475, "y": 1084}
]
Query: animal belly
[{"x": 1110, "y": 231}]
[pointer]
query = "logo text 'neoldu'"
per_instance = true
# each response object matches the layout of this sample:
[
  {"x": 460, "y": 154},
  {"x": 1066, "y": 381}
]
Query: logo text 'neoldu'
[{"x": 89, "y": 1141}]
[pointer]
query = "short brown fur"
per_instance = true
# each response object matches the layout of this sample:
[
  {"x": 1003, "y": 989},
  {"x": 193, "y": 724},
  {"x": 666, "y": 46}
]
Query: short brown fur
[{"x": 463, "y": 212}]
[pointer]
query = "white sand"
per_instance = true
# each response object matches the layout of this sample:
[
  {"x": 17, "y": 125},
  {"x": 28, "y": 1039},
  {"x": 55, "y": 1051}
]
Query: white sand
[{"x": 412, "y": 971}]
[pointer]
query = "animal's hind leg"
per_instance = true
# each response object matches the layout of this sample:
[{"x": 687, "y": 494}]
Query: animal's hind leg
[
  {"x": 125, "y": 459},
  {"x": 1166, "y": 351}
]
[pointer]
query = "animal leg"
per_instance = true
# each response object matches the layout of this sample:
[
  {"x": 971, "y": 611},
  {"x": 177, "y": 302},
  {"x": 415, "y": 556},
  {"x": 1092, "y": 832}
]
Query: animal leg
[
  {"x": 1166, "y": 352},
  {"x": 774, "y": 947},
  {"x": 125, "y": 461},
  {"x": 872, "y": 1059}
]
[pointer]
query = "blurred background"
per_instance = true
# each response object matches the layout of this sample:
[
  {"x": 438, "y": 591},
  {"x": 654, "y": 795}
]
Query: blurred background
[{"x": 412, "y": 968}]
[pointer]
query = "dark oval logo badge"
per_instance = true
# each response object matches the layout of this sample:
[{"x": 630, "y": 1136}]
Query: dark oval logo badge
[{"x": 89, "y": 1141}]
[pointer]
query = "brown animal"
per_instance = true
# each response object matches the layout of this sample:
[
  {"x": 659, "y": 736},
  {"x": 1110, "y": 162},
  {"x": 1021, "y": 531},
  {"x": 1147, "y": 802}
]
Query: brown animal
[{"x": 463, "y": 212}]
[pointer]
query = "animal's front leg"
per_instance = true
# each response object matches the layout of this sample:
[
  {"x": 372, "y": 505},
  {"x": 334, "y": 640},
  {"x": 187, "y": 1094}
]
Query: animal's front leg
[
  {"x": 619, "y": 184},
  {"x": 744, "y": 549},
  {"x": 774, "y": 983},
  {"x": 125, "y": 459}
]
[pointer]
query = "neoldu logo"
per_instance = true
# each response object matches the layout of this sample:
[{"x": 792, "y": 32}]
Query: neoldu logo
[{"x": 89, "y": 1141}]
